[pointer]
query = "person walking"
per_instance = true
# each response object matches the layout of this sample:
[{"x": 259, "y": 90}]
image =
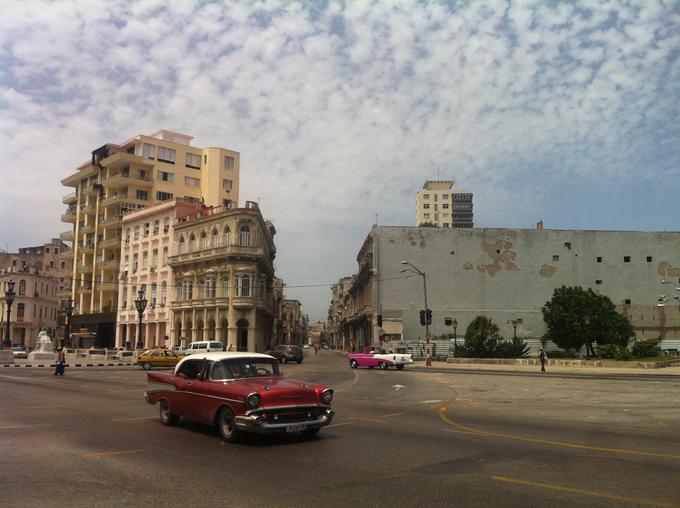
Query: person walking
[
  {"x": 542, "y": 357},
  {"x": 61, "y": 361}
]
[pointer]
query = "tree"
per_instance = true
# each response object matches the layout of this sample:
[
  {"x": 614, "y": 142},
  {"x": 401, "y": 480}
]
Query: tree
[
  {"x": 482, "y": 337},
  {"x": 575, "y": 317},
  {"x": 427, "y": 225}
]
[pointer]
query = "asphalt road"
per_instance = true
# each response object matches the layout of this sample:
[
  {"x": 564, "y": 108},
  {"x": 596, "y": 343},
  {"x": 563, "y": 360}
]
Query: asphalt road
[{"x": 408, "y": 438}]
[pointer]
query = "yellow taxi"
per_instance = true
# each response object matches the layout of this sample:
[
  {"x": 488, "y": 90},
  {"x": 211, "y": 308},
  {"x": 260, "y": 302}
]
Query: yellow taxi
[{"x": 158, "y": 358}]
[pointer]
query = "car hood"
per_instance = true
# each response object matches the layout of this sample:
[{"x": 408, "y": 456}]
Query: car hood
[{"x": 278, "y": 391}]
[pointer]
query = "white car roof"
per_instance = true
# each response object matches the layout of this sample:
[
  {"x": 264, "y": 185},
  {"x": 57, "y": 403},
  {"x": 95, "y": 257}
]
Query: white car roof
[{"x": 223, "y": 355}]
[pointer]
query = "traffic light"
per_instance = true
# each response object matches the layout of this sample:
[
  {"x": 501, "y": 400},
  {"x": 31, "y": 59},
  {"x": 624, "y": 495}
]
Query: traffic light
[
  {"x": 428, "y": 315},
  {"x": 422, "y": 317},
  {"x": 380, "y": 320}
]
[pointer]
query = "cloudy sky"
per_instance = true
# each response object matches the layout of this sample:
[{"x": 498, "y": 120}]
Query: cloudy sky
[{"x": 567, "y": 113}]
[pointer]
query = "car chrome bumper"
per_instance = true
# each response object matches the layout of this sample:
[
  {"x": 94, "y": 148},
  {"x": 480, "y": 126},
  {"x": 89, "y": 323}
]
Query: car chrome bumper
[{"x": 256, "y": 423}]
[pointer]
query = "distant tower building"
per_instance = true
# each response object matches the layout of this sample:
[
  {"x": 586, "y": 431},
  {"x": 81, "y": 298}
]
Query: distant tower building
[{"x": 442, "y": 206}]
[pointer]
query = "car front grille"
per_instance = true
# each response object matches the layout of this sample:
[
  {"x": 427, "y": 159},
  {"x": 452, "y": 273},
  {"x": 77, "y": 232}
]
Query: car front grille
[{"x": 293, "y": 416}]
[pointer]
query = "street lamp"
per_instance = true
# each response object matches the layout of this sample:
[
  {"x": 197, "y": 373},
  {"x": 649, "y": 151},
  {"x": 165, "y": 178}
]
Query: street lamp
[
  {"x": 140, "y": 303},
  {"x": 413, "y": 269},
  {"x": 67, "y": 325},
  {"x": 9, "y": 298},
  {"x": 455, "y": 336},
  {"x": 514, "y": 322}
]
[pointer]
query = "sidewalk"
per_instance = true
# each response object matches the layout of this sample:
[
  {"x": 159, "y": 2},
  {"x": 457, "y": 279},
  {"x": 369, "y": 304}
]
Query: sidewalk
[
  {"x": 550, "y": 369},
  {"x": 19, "y": 363}
]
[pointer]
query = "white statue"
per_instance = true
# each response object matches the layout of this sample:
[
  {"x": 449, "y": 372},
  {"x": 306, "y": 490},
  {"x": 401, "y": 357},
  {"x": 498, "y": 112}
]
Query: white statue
[{"x": 44, "y": 344}]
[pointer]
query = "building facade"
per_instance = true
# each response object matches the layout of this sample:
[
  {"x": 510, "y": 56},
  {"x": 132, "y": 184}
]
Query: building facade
[
  {"x": 147, "y": 245},
  {"x": 508, "y": 275},
  {"x": 223, "y": 266},
  {"x": 121, "y": 178},
  {"x": 439, "y": 204}
]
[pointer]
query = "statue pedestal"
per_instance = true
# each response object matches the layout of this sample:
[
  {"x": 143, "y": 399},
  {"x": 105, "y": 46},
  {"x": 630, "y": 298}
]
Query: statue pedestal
[{"x": 40, "y": 356}]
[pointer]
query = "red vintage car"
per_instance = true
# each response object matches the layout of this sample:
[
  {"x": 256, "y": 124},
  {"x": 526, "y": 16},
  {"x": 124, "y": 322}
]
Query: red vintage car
[{"x": 240, "y": 393}]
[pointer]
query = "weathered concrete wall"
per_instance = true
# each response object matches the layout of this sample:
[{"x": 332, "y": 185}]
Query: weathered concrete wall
[{"x": 508, "y": 274}]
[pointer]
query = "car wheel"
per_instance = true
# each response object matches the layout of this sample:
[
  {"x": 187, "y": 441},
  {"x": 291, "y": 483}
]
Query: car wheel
[
  {"x": 353, "y": 364},
  {"x": 383, "y": 366},
  {"x": 311, "y": 432},
  {"x": 283, "y": 359},
  {"x": 400, "y": 367},
  {"x": 299, "y": 361},
  {"x": 146, "y": 366},
  {"x": 227, "y": 425},
  {"x": 167, "y": 417}
]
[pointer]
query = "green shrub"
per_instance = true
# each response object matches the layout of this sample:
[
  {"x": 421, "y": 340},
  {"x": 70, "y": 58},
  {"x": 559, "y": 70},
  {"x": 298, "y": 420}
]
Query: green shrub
[
  {"x": 646, "y": 349},
  {"x": 607, "y": 350},
  {"x": 623, "y": 354}
]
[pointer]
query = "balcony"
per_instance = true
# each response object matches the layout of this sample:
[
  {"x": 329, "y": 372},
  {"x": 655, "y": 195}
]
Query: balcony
[
  {"x": 113, "y": 199},
  {"x": 126, "y": 178},
  {"x": 69, "y": 216},
  {"x": 87, "y": 248},
  {"x": 243, "y": 302},
  {"x": 112, "y": 221},
  {"x": 66, "y": 236},
  {"x": 91, "y": 189},
  {"x": 89, "y": 228},
  {"x": 69, "y": 198},
  {"x": 66, "y": 254},
  {"x": 121, "y": 160},
  {"x": 218, "y": 252},
  {"x": 109, "y": 264},
  {"x": 109, "y": 242},
  {"x": 64, "y": 293}
]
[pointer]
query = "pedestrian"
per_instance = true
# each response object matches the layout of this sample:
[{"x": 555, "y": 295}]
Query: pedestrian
[
  {"x": 542, "y": 357},
  {"x": 61, "y": 361}
]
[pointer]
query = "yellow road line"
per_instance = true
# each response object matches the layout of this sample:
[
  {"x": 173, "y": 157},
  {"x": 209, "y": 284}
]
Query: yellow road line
[
  {"x": 391, "y": 415},
  {"x": 356, "y": 377},
  {"x": 133, "y": 418},
  {"x": 110, "y": 454},
  {"x": 26, "y": 426},
  {"x": 444, "y": 417},
  {"x": 585, "y": 492},
  {"x": 43, "y": 407},
  {"x": 338, "y": 424}
]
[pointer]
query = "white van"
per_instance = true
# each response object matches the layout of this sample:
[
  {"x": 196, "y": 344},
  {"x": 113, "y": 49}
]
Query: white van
[{"x": 203, "y": 346}]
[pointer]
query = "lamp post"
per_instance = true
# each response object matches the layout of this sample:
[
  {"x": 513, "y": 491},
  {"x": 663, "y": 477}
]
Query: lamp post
[
  {"x": 9, "y": 298},
  {"x": 455, "y": 336},
  {"x": 413, "y": 269},
  {"x": 67, "y": 325},
  {"x": 140, "y": 303},
  {"x": 514, "y": 322}
]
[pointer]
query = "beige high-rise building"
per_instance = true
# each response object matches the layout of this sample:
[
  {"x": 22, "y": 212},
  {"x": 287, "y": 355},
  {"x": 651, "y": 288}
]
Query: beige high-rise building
[
  {"x": 121, "y": 178},
  {"x": 439, "y": 204}
]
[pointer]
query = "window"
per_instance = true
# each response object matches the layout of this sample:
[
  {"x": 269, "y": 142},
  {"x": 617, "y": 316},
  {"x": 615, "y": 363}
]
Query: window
[
  {"x": 209, "y": 287},
  {"x": 149, "y": 151},
  {"x": 136, "y": 237},
  {"x": 192, "y": 182},
  {"x": 599, "y": 259},
  {"x": 427, "y": 216},
  {"x": 135, "y": 262},
  {"x": 166, "y": 155},
  {"x": 426, "y": 196},
  {"x": 626, "y": 259},
  {"x": 154, "y": 257},
  {"x": 163, "y": 196},
  {"x": 649, "y": 259},
  {"x": 166, "y": 224},
  {"x": 445, "y": 197},
  {"x": 180, "y": 245},
  {"x": 156, "y": 226},
  {"x": 598, "y": 282},
  {"x": 225, "y": 286},
  {"x": 226, "y": 184},
  {"x": 426, "y": 206},
  {"x": 245, "y": 236},
  {"x": 627, "y": 301},
  {"x": 228, "y": 162},
  {"x": 227, "y": 203},
  {"x": 192, "y": 243},
  {"x": 436, "y": 196},
  {"x": 22, "y": 287},
  {"x": 445, "y": 224},
  {"x": 20, "y": 311},
  {"x": 244, "y": 284},
  {"x": 445, "y": 206},
  {"x": 187, "y": 290},
  {"x": 204, "y": 240},
  {"x": 142, "y": 195},
  {"x": 165, "y": 255},
  {"x": 164, "y": 291},
  {"x": 556, "y": 257},
  {"x": 153, "y": 293},
  {"x": 165, "y": 176},
  {"x": 145, "y": 259},
  {"x": 147, "y": 226},
  {"x": 193, "y": 161},
  {"x": 227, "y": 233},
  {"x": 215, "y": 239}
]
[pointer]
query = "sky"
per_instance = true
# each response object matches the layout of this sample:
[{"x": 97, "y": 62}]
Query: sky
[{"x": 554, "y": 111}]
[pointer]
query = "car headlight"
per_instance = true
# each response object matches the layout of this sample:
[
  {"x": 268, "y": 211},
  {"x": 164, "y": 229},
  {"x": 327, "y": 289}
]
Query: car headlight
[
  {"x": 253, "y": 400},
  {"x": 327, "y": 396}
]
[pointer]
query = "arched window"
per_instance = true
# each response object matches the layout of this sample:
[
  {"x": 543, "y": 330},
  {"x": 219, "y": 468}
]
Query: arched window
[
  {"x": 245, "y": 236},
  {"x": 204, "y": 240},
  {"x": 164, "y": 289},
  {"x": 214, "y": 241},
  {"x": 209, "y": 287},
  {"x": 180, "y": 245},
  {"x": 187, "y": 289},
  {"x": 227, "y": 233},
  {"x": 22, "y": 287},
  {"x": 244, "y": 284},
  {"x": 192, "y": 243}
]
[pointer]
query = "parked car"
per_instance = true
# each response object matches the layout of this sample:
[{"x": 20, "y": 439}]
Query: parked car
[
  {"x": 158, "y": 358},
  {"x": 204, "y": 346},
  {"x": 19, "y": 352},
  {"x": 240, "y": 393},
  {"x": 287, "y": 353},
  {"x": 378, "y": 358}
]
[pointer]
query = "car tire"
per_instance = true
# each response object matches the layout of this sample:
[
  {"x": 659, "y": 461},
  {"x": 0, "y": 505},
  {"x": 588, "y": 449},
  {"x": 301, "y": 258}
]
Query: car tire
[
  {"x": 146, "y": 366},
  {"x": 311, "y": 432},
  {"x": 400, "y": 367},
  {"x": 167, "y": 416},
  {"x": 383, "y": 366},
  {"x": 299, "y": 361},
  {"x": 227, "y": 425},
  {"x": 283, "y": 359},
  {"x": 353, "y": 364}
]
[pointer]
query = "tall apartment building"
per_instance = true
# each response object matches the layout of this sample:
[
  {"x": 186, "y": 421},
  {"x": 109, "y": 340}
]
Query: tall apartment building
[
  {"x": 439, "y": 204},
  {"x": 121, "y": 178}
]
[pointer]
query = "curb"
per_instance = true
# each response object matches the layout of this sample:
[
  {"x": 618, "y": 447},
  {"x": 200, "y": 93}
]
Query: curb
[{"x": 49, "y": 365}]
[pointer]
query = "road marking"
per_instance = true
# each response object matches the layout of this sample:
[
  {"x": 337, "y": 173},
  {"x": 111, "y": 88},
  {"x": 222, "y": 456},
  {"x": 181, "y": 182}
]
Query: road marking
[
  {"x": 398, "y": 387},
  {"x": 445, "y": 418},
  {"x": 369, "y": 420},
  {"x": 431, "y": 401},
  {"x": 25, "y": 426},
  {"x": 43, "y": 407},
  {"x": 338, "y": 424},
  {"x": 133, "y": 418},
  {"x": 111, "y": 454},
  {"x": 391, "y": 415},
  {"x": 593, "y": 493},
  {"x": 356, "y": 378}
]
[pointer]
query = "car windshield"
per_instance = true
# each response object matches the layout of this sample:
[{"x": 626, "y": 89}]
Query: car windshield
[{"x": 245, "y": 367}]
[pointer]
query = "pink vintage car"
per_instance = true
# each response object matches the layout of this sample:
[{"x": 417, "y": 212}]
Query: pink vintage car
[{"x": 378, "y": 358}]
